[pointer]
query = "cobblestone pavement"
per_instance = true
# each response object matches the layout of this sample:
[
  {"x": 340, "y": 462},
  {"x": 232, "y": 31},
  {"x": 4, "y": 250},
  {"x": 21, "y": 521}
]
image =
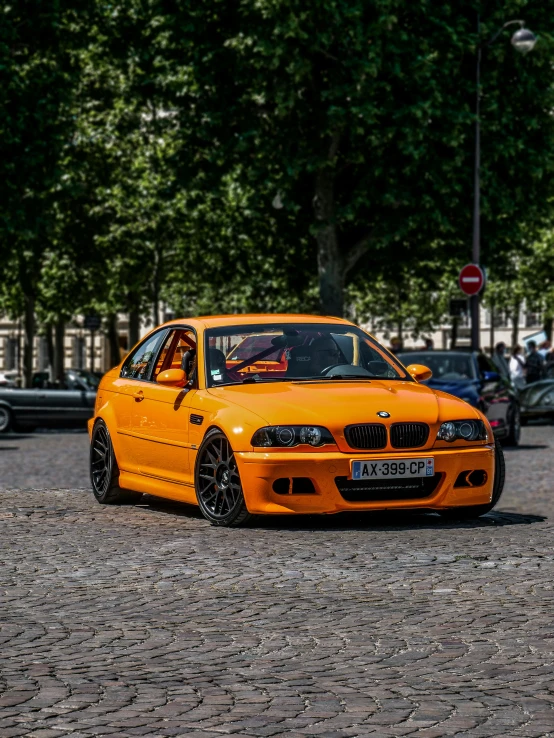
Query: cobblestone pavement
[{"x": 145, "y": 621}]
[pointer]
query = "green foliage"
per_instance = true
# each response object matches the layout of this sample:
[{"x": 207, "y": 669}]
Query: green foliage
[
  {"x": 268, "y": 155},
  {"x": 360, "y": 115}
]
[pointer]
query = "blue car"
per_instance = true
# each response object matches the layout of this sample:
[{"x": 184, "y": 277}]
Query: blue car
[{"x": 472, "y": 377}]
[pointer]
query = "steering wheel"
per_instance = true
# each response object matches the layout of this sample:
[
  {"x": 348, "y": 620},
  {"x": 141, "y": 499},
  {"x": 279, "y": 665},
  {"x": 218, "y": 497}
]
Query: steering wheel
[
  {"x": 346, "y": 369},
  {"x": 323, "y": 372}
]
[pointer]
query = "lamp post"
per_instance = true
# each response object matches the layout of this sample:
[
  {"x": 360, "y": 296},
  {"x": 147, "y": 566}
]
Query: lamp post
[{"x": 523, "y": 41}]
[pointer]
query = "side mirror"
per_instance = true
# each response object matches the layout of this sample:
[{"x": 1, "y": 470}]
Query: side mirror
[
  {"x": 419, "y": 372},
  {"x": 491, "y": 376},
  {"x": 172, "y": 378}
]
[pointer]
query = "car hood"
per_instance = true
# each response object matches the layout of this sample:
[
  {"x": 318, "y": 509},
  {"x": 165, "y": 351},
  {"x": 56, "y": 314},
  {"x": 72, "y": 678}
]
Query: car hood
[{"x": 336, "y": 403}]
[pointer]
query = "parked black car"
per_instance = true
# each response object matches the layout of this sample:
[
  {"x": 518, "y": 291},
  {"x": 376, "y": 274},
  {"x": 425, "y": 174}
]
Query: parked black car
[
  {"x": 473, "y": 377},
  {"x": 68, "y": 406},
  {"x": 537, "y": 400}
]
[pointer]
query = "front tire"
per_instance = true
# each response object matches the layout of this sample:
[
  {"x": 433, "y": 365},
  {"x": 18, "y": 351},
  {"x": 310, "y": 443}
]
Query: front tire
[
  {"x": 104, "y": 471},
  {"x": 475, "y": 511},
  {"x": 217, "y": 482}
]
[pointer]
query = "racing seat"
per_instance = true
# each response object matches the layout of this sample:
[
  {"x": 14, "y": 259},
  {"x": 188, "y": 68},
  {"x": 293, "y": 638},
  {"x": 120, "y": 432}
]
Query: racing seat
[{"x": 300, "y": 362}]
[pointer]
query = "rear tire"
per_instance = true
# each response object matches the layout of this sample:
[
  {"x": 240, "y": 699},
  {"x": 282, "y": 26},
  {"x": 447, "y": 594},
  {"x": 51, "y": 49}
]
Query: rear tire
[
  {"x": 104, "y": 471},
  {"x": 217, "y": 482},
  {"x": 475, "y": 511},
  {"x": 6, "y": 419}
]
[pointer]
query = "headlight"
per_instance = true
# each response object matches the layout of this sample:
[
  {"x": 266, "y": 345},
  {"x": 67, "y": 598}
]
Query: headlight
[
  {"x": 466, "y": 430},
  {"x": 291, "y": 435}
]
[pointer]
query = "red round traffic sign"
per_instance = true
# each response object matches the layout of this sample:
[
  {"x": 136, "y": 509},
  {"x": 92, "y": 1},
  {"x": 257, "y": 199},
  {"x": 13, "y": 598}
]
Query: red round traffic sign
[{"x": 471, "y": 279}]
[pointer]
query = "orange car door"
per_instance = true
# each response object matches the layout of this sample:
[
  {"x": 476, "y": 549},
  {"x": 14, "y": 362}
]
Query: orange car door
[
  {"x": 126, "y": 393},
  {"x": 161, "y": 419}
]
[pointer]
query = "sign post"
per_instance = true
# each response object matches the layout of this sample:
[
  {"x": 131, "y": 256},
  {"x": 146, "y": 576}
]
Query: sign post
[{"x": 472, "y": 281}]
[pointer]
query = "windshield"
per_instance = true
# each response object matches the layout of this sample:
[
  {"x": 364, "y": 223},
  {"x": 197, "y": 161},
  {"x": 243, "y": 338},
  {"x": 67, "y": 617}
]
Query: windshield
[
  {"x": 295, "y": 351},
  {"x": 445, "y": 365}
]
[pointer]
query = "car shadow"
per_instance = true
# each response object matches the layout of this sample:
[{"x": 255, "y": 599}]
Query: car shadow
[
  {"x": 525, "y": 447},
  {"x": 374, "y": 520},
  {"x": 169, "y": 507}
]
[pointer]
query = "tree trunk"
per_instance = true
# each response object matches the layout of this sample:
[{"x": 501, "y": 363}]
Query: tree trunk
[
  {"x": 113, "y": 340},
  {"x": 329, "y": 259},
  {"x": 134, "y": 326},
  {"x": 515, "y": 324},
  {"x": 547, "y": 326},
  {"x": 156, "y": 289},
  {"x": 59, "y": 357},
  {"x": 454, "y": 333},
  {"x": 330, "y": 263},
  {"x": 491, "y": 333},
  {"x": 49, "y": 335},
  {"x": 28, "y": 340}
]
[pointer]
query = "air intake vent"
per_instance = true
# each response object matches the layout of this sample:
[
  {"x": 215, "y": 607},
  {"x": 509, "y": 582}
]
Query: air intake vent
[
  {"x": 381, "y": 490},
  {"x": 408, "y": 435},
  {"x": 368, "y": 435},
  {"x": 196, "y": 419}
]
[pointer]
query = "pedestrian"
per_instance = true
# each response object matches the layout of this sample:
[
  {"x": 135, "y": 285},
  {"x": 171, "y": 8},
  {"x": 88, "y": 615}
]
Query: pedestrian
[
  {"x": 395, "y": 345},
  {"x": 534, "y": 364},
  {"x": 517, "y": 368},
  {"x": 499, "y": 359},
  {"x": 544, "y": 349}
]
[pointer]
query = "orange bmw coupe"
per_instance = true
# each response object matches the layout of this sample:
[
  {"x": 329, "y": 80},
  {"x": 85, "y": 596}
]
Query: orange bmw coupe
[{"x": 328, "y": 421}]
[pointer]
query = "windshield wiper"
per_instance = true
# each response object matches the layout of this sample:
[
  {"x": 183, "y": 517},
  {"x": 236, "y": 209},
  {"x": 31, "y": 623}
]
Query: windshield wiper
[
  {"x": 255, "y": 379},
  {"x": 323, "y": 378}
]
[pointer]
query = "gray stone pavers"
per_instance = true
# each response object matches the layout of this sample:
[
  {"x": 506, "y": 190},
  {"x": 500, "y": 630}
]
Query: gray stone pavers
[{"x": 145, "y": 621}]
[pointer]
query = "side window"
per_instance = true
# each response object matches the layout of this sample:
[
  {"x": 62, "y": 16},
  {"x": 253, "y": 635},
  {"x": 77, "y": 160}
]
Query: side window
[
  {"x": 178, "y": 352},
  {"x": 140, "y": 363}
]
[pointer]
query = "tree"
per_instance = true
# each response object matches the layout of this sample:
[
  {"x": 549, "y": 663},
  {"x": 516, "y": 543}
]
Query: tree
[
  {"x": 37, "y": 83},
  {"x": 358, "y": 118}
]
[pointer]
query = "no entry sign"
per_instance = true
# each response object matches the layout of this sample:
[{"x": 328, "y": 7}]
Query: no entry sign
[{"x": 471, "y": 279}]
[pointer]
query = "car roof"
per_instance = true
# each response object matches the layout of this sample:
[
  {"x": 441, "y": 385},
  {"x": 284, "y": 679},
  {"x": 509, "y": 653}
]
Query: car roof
[{"x": 215, "y": 321}]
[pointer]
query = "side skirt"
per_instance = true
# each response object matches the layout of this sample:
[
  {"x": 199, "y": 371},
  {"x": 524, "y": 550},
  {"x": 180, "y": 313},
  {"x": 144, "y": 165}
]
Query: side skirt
[{"x": 157, "y": 487}]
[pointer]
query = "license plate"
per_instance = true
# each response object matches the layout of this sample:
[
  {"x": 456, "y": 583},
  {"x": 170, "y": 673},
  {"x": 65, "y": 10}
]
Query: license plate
[{"x": 393, "y": 468}]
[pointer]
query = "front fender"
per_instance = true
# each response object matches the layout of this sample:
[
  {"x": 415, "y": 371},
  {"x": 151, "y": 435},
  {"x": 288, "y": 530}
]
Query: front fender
[
  {"x": 238, "y": 423},
  {"x": 106, "y": 413}
]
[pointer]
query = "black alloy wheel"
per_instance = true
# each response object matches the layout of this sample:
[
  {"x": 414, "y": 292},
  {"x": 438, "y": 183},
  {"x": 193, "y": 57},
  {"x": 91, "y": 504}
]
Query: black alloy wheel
[
  {"x": 475, "y": 511},
  {"x": 104, "y": 471},
  {"x": 5, "y": 419},
  {"x": 217, "y": 482},
  {"x": 514, "y": 428}
]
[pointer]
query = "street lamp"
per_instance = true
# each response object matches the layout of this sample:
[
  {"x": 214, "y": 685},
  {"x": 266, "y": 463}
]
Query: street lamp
[{"x": 523, "y": 41}]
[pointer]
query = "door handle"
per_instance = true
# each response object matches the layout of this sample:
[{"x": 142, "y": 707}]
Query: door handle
[{"x": 138, "y": 395}]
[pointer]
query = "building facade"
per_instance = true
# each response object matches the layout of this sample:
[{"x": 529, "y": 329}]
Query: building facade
[{"x": 85, "y": 349}]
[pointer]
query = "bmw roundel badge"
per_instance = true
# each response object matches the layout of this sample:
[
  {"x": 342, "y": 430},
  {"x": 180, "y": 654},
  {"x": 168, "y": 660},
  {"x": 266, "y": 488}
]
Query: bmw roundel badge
[{"x": 383, "y": 414}]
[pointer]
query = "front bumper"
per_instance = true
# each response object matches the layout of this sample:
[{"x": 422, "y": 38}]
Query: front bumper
[{"x": 260, "y": 469}]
